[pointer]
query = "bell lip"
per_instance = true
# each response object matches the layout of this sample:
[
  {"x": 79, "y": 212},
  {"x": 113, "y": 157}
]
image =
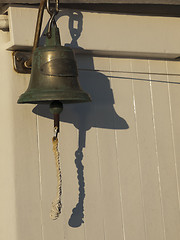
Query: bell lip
[{"x": 46, "y": 97}]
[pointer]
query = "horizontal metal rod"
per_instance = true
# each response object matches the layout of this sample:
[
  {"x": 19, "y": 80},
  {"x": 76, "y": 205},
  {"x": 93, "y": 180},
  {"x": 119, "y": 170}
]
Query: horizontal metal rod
[
  {"x": 134, "y": 55},
  {"x": 129, "y": 72}
]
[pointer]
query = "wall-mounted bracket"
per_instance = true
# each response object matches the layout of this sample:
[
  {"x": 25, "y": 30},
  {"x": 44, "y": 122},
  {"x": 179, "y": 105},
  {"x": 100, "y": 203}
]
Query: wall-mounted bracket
[
  {"x": 19, "y": 59},
  {"x": 143, "y": 37}
]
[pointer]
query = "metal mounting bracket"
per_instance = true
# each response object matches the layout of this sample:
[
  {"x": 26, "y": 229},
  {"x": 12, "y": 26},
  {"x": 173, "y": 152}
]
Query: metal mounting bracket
[{"x": 19, "y": 59}]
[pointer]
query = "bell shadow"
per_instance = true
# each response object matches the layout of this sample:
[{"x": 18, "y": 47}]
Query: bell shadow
[
  {"x": 75, "y": 27},
  {"x": 99, "y": 113}
]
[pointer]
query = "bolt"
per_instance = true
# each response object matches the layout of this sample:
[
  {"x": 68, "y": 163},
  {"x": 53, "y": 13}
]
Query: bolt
[{"x": 18, "y": 58}]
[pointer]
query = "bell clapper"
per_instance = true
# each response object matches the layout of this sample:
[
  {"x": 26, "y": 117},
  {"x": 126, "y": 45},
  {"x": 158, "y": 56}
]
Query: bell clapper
[{"x": 56, "y": 108}]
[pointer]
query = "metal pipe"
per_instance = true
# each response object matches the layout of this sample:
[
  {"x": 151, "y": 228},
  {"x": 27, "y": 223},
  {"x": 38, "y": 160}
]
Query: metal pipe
[{"x": 37, "y": 31}]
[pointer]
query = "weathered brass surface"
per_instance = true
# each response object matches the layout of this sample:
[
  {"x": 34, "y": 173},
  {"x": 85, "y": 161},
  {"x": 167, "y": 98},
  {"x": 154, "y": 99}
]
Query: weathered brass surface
[{"x": 54, "y": 74}]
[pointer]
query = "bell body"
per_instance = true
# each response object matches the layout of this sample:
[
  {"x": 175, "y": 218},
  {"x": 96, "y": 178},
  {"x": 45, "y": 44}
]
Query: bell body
[{"x": 54, "y": 77}]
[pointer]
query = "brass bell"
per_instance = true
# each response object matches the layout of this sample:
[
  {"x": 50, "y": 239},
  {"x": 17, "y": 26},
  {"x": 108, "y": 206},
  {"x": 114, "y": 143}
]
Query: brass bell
[
  {"x": 53, "y": 81},
  {"x": 54, "y": 71},
  {"x": 54, "y": 74}
]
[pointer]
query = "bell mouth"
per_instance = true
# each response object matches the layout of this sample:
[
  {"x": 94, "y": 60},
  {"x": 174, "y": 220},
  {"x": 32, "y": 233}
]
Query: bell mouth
[{"x": 46, "y": 97}]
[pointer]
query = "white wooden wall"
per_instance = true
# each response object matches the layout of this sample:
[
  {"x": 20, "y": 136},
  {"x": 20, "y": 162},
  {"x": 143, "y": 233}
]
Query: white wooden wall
[{"x": 130, "y": 169}]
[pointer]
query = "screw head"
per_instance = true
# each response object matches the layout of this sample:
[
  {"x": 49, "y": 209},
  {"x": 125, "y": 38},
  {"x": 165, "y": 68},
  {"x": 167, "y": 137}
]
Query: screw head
[{"x": 18, "y": 58}]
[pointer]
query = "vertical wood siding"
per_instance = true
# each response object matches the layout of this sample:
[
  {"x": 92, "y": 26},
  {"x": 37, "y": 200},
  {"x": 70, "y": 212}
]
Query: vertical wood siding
[
  {"x": 130, "y": 163},
  {"x": 120, "y": 155}
]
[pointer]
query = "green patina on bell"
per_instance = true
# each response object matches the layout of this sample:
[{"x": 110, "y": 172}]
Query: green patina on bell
[{"x": 54, "y": 74}]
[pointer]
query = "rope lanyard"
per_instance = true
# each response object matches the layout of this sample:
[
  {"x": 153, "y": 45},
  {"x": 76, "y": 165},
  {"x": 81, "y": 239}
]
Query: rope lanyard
[{"x": 56, "y": 204}]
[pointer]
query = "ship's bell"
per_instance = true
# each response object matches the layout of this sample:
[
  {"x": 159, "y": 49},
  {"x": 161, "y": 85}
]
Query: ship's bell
[{"x": 54, "y": 74}]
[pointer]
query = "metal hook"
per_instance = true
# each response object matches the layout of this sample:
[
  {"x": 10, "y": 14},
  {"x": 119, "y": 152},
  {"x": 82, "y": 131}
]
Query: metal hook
[
  {"x": 52, "y": 12},
  {"x": 55, "y": 131},
  {"x": 51, "y": 21}
]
